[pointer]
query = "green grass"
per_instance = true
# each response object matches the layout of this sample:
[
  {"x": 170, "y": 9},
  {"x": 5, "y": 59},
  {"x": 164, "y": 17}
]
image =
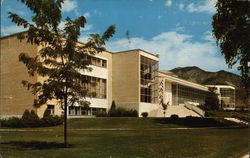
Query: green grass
[
  {"x": 244, "y": 115},
  {"x": 144, "y": 138}
]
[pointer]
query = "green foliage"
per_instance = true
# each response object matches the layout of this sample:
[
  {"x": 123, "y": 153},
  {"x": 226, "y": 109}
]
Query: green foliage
[
  {"x": 61, "y": 56},
  {"x": 30, "y": 119},
  {"x": 231, "y": 25},
  {"x": 121, "y": 112},
  {"x": 101, "y": 114},
  {"x": 211, "y": 101},
  {"x": 26, "y": 115},
  {"x": 113, "y": 106},
  {"x": 46, "y": 113},
  {"x": 144, "y": 114},
  {"x": 174, "y": 116}
]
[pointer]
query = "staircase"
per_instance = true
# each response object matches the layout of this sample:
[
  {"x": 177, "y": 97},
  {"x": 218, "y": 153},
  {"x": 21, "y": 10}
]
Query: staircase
[{"x": 179, "y": 110}]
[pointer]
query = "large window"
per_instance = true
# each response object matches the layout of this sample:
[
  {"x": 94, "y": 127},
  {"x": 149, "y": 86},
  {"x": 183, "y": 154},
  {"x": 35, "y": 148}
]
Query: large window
[
  {"x": 81, "y": 111},
  {"x": 96, "y": 87},
  {"x": 181, "y": 94},
  {"x": 227, "y": 97},
  {"x": 96, "y": 61},
  {"x": 149, "y": 80}
]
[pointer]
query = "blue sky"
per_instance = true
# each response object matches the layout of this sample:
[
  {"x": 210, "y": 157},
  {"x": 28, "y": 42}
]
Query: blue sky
[{"x": 178, "y": 30}]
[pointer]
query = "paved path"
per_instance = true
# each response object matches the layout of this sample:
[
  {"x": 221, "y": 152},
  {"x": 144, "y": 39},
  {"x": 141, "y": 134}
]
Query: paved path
[{"x": 113, "y": 129}]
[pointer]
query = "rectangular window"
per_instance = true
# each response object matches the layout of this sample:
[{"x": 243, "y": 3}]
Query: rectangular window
[
  {"x": 96, "y": 87},
  {"x": 51, "y": 109},
  {"x": 149, "y": 80}
]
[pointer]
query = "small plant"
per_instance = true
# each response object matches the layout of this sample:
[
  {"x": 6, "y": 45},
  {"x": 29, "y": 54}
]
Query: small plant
[
  {"x": 101, "y": 114},
  {"x": 144, "y": 114},
  {"x": 174, "y": 116}
]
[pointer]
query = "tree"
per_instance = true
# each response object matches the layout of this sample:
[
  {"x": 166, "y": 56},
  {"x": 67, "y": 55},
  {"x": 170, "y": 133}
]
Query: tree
[
  {"x": 212, "y": 100},
  {"x": 231, "y": 25},
  {"x": 164, "y": 107},
  {"x": 61, "y": 57}
]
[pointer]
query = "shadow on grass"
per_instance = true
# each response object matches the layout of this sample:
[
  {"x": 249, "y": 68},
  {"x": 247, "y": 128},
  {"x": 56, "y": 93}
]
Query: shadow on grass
[
  {"x": 193, "y": 122},
  {"x": 36, "y": 145}
]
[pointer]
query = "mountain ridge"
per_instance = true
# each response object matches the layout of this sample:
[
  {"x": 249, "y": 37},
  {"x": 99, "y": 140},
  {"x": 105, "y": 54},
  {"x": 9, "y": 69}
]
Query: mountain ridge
[{"x": 221, "y": 77}]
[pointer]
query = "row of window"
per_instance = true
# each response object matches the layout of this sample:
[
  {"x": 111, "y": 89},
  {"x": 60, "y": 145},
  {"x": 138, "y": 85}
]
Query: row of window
[
  {"x": 149, "y": 80},
  {"x": 96, "y": 61},
  {"x": 97, "y": 87},
  {"x": 181, "y": 93},
  {"x": 81, "y": 111}
]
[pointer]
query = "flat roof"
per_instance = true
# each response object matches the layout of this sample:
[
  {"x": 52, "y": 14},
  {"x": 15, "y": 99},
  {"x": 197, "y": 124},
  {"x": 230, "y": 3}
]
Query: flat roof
[
  {"x": 125, "y": 51},
  {"x": 14, "y": 34},
  {"x": 184, "y": 82}
]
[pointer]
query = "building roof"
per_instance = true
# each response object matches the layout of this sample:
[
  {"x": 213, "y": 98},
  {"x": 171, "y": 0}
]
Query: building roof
[
  {"x": 173, "y": 78},
  {"x": 156, "y": 55}
]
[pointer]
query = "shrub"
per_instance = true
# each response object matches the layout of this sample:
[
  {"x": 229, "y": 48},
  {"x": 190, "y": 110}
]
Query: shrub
[
  {"x": 101, "y": 114},
  {"x": 12, "y": 122},
  {"x": 144, "y": 114},
  {"x": 46, "y": 113},
  {"x": 174, "y": 116},
  {"x": 121, "y": 112},
  {"x": 212, "y": 100},
  {"x": 51, "y": 121},
  {"x": 30, "y": 119}
]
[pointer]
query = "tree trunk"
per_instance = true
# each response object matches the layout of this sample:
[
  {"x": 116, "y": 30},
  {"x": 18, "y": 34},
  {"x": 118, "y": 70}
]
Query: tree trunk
[{"x": 65, "y": 121}]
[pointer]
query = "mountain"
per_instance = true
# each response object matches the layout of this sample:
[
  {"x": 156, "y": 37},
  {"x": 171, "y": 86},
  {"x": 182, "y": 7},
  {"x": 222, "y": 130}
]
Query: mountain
[{"x": 197, "y": 75}]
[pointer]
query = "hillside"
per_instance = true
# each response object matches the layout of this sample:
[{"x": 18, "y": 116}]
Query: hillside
[{"x": 197, "y": 75}]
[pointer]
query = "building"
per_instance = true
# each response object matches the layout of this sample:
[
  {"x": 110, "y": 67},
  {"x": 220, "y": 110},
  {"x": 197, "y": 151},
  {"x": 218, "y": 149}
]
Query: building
[
  {"x": 226, "y": 95},
  {"x": 131, "y": 78}
]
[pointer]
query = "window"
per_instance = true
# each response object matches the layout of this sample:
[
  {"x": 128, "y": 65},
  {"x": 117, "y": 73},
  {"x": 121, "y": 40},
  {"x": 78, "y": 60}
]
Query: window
[
  {"x": 96, "y": 87},
  {"x": 51, "y": 109},
  {"x": 149, "y": 80}
]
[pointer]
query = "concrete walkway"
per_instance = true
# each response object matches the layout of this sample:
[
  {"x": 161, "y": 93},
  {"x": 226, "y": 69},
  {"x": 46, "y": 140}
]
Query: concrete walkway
[
  {"x": 113, "y": 129},
  {"x": 236, "y": 120}
]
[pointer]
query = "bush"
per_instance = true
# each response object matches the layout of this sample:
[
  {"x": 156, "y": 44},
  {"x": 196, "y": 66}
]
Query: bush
[
  {"x": 30, "y": 119},
  {"x": 12, "y": 122},
  {"x": 144, "y": 114},
  {"x": 212, "y": 100},
  {"x": 121, "y": 112},
  {"x": 174, "y": 116},
  {"x": 46, "y": 113},
  {"x": 101, "y": 114},
  {"x": 51, "y": 121}
]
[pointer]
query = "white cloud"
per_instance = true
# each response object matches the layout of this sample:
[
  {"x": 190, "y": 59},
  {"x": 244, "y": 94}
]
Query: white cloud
[
  {"x": 69, "y": 5},
  {"x": 86, "y": 15},
  {"x": 168, "y": 3},
  {"x": 209, "y": 37},
  {"x": 175, "y": 50},
  {"x": 87, "y": 27},
  {"x": 207, "y": 6},
  {"x": 181, "y": 6},
  {"x": 7, "y": 30}
]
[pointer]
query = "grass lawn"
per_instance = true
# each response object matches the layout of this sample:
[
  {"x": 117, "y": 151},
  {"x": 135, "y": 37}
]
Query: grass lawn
[
  {"x": 124, "y": 138},
  {"x": 243, "y": 115}
]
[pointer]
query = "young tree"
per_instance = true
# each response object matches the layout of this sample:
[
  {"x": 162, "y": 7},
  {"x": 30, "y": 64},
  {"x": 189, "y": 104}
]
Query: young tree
[
  {"x": 62, "y": 58},
  {"x": 231, "y": 25},
  {"x": 212, "y": 100}
]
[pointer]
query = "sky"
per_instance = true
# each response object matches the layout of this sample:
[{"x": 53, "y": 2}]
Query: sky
[{"x": 178, "y": 30}]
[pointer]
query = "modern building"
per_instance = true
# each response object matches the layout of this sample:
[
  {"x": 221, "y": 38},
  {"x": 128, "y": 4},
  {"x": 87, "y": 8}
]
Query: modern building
[
  {"x": 226, "y": 96},
  {"x": 130, "y": 78}
]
